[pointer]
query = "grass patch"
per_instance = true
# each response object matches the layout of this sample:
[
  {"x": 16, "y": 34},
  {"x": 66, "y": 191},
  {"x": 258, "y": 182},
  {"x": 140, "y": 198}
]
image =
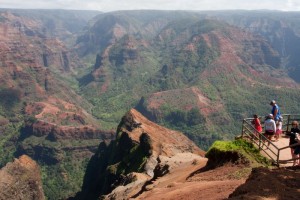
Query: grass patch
[{"x": 237, "y": 151}]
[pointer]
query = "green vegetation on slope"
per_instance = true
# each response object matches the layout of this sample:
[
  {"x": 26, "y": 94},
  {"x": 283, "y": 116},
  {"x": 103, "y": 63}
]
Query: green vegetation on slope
[
  {"x": 62, "y": 169},
  {"x": 64, "y": 179},
  {"x": 8, "y": 141},
  {"x": 11, "y": 122},
  {"x": 238, "y": 151}
]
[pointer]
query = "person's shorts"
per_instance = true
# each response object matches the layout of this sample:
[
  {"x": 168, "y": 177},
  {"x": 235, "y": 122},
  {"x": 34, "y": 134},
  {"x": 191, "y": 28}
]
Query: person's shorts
[
  {"x": 278, "y": 132},
  {"x": 269, "y": 132},
  {"x": 297, "y": 150}
]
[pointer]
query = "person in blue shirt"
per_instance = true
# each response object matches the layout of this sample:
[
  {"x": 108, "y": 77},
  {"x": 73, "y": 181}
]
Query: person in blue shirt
[{"x": 275, "y": 111}]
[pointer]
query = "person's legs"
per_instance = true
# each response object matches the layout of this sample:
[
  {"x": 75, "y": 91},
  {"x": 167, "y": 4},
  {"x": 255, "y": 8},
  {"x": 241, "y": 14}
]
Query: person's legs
[
  {"x": 269, "y": 137},
  {"x": 256, "y": 134},
  {"x": 293, "y": 156},
  {"x": 297, "y": 154},
  {"x": 264, "y": 138},
  {"x": 276, "y": 136}
]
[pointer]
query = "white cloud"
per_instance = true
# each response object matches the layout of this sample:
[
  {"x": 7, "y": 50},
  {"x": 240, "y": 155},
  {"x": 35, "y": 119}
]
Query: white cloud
[
  {"x": 110, "y": 5},
  {"x": 293, "y": 5}
]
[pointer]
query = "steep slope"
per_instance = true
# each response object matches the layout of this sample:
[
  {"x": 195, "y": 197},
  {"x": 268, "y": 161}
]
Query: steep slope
[
  {"x": 21, "y": 179},
  {"x": 281, "y": 29},
  {"x": 28, "y": 58},
  {"x": 141, "y": 152}
]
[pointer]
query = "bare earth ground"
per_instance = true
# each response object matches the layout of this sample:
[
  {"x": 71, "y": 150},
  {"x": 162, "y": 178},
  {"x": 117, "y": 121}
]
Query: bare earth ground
[{"x": 210, "y": 185}]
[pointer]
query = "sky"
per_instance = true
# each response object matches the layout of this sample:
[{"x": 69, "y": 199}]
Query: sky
[{"x": 112, "y": 5}]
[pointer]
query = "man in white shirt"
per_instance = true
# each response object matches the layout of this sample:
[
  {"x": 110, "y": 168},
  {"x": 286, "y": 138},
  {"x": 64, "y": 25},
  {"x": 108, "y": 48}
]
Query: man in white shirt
[{"x": 270, "y": 127}]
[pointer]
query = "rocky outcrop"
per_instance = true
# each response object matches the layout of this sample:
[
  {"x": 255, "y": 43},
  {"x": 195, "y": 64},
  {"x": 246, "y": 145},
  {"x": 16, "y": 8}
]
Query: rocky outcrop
[
  {"x": 141, "y": 152},
  {"x": 48, "y": 143},
  {"x": 21, "y": 179}
]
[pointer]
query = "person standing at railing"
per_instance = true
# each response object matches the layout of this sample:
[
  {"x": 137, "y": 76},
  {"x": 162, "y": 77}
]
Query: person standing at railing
[
  {"x": 270, "y": 127},
  {"x": 257, "y": 125},
  {"x": 275, "y": 111},
  {"x": 278, "y": 129},
  {"x": 292, "y": 135},
  {"x": 297, "y": 149}
]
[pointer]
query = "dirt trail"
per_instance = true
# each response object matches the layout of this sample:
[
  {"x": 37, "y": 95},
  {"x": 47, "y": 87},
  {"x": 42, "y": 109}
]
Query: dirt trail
[{"x": 177, "y": 184}]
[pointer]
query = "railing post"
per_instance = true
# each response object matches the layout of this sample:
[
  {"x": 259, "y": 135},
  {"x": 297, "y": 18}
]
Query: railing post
[
  {"x": 288, "y": 123},
  {"x": 278, "y": 157},
  {"x": 259, "y": 144},
  {"x": 243, "y": 128}
]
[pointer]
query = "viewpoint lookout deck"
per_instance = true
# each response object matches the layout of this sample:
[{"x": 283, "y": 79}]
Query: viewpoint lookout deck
[
  {"x": 279, "y": 152},
  {"x": 285, "y": 154}
]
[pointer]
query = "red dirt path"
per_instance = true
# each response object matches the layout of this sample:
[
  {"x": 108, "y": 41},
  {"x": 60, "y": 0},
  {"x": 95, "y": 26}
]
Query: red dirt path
[{"x": 177, "y": 185}]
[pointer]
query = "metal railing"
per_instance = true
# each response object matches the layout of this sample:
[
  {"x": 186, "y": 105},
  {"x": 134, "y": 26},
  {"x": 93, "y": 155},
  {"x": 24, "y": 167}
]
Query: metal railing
[
  {"x": 249, "y": 131},
  {"x": 287, "y": 121}
]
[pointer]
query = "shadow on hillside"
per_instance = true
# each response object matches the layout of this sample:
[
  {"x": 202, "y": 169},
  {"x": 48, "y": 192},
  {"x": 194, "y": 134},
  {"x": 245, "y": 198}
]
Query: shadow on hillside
[
  {"x": 230, "y": 158},
  {"x": 280, "y": 184}
]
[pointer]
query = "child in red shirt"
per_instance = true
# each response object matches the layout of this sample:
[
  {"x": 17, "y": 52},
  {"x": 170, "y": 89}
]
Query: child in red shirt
[{"x": 257, "y": 124}]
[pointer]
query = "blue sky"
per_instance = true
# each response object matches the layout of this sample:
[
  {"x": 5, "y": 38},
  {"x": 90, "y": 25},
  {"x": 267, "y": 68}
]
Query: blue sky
[{"x": 111, "y": 5}]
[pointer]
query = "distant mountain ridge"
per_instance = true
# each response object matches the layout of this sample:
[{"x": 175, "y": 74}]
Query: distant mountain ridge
[
  {"x": 61, "y": 24},
  {"x": 281, "y": 29}
]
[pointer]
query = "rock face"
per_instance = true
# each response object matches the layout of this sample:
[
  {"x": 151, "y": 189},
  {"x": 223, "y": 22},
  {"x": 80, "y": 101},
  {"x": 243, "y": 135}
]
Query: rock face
[
  {"x": 30, "y": 62},
  {"x": 23, "y": 39},
  {"x": 56, "y": 133},
  {"x": 141, "y": 152},
  {"x": 54, "y": 141},
  {"x": 21, "y": 180}
]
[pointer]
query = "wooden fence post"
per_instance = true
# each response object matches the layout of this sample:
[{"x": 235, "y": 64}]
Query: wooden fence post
[
  {"x": 243, "y": 128},
  {"x": 288, "y": 123},
  {"x": 278, "y": 158}
]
